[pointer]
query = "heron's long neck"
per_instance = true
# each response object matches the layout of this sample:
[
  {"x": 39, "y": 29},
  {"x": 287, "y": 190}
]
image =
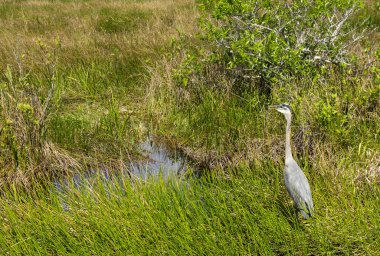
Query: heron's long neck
[{"x": 288, "y": 150}]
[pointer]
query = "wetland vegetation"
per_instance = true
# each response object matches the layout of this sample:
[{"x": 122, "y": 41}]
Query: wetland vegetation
[{"x": 84, "y": 83}]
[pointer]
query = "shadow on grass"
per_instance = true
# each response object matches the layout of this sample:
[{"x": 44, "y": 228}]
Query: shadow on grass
[{"x": 290, "y": 213}]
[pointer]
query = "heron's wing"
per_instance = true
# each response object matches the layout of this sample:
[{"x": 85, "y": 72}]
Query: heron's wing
[{"x": 299, "y": 189}]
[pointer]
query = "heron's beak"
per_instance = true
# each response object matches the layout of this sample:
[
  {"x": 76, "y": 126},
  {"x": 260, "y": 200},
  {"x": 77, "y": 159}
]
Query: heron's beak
[{"x": 274, "y": 106}]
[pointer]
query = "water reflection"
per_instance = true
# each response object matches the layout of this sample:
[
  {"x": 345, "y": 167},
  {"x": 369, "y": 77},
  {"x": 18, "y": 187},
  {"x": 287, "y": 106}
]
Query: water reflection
[{"x": 158, "y": 161}]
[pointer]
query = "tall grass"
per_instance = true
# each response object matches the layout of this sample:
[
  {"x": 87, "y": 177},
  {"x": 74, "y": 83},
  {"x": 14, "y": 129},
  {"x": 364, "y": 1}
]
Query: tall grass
[{"x": 247, "y": 214}]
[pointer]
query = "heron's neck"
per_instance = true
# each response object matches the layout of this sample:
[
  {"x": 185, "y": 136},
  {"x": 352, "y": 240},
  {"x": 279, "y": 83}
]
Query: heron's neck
[{"x": 288, "y": 150}]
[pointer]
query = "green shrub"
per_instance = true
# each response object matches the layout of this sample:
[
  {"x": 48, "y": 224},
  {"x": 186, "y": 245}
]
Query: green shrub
[{"x": 263, "y": 42}]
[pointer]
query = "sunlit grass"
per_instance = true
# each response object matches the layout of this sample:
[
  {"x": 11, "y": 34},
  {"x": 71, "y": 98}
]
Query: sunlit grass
[{"x": 250, "y": 213}]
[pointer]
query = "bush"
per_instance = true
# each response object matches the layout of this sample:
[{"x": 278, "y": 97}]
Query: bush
[{"x": 265, "y": 41}]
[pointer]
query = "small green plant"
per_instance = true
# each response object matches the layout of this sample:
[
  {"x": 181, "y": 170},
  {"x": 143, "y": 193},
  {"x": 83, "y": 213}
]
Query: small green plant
[
  {"x": 23, "y": 118},
  {"x": 27, "y": 102},
  {"x": 332, "y": 119}
]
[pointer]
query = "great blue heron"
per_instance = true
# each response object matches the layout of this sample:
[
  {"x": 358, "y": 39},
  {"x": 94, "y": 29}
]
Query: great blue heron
[{"x": 295, "y": 180}]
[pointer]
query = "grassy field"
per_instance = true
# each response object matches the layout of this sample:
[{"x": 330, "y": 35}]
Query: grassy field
[{"x": 84, "y": 82}]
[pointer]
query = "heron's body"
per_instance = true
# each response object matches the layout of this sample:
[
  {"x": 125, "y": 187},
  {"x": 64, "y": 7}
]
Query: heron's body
[
  {"x": 295, "y": 180},
  {"x": 298, "y": 187}
]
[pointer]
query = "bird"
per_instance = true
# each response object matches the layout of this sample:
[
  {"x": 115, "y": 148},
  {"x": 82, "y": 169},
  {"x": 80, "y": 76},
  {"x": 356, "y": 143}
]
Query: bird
[{"x": 295, "y": 180}]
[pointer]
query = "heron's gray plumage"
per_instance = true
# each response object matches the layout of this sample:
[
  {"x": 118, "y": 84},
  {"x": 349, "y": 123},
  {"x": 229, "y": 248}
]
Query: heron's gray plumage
[
  {"x": 295, "y": 180},
  {"x": 298, "y": 187}
]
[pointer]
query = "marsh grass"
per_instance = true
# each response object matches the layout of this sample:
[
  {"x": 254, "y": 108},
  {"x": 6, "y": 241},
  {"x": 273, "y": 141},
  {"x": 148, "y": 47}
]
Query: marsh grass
[
  {"x": 247, "y": 214},
  {"x": 98, "y": 53}
]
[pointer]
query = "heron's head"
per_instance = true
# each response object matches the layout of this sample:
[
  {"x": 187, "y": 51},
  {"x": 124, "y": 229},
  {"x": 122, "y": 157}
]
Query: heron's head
[{"x": 284, "y": 109}]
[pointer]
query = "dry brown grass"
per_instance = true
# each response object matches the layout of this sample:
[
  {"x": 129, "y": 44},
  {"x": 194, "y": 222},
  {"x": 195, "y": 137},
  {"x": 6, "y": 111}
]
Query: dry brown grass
[{"x": 27, "y": 24}]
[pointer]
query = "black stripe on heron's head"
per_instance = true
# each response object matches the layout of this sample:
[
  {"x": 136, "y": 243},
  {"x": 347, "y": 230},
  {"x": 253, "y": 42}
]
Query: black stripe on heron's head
[{"x": 283, "y": 106}]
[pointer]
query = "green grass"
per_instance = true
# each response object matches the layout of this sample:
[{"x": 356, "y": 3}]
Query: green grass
[{"x": 247, "y": 214}]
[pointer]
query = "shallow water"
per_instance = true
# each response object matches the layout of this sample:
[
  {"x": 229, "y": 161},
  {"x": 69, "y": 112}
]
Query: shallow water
[{"x": 157, "y": 162}]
